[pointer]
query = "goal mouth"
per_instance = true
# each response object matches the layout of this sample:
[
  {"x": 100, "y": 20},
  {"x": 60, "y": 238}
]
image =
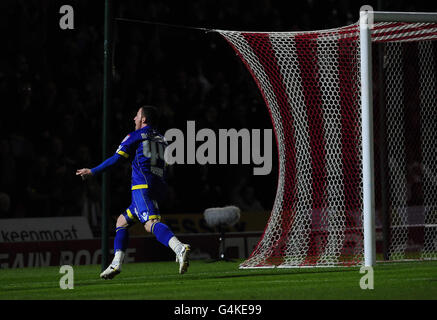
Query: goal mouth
[{"x": 312, "y": 85}]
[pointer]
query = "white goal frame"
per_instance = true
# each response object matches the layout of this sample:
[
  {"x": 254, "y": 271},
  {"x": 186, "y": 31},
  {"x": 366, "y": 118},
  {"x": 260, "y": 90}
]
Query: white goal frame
[{"x": 366, "y": 20}]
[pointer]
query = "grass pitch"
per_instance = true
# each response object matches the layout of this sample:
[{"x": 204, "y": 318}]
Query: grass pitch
[{"x": 222, "y": 281}]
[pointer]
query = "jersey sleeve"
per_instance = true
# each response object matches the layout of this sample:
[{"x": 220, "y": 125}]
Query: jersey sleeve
[
  {"x": 127, "y": 146},
  {"x": 106, "y": 164}
]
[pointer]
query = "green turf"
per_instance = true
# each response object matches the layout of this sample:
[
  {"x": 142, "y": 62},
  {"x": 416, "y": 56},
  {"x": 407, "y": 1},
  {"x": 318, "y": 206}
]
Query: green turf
[{"x": 223, "y": 280}]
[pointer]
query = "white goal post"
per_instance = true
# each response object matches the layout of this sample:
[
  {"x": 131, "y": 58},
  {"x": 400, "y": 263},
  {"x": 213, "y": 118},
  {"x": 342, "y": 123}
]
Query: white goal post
[{"x": 367, "y": 18}]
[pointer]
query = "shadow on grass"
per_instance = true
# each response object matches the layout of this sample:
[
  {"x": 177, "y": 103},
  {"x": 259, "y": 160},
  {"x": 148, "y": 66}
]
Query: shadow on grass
[{"x": 280, "y": 272}]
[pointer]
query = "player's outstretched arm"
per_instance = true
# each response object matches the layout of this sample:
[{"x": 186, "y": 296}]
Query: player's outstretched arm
[{"x": 86, "y": 173}]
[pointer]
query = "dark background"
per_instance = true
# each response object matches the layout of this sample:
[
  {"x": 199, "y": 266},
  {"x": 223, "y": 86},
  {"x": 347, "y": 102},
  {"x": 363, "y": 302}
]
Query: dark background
[{"x": 51, "y": 96}]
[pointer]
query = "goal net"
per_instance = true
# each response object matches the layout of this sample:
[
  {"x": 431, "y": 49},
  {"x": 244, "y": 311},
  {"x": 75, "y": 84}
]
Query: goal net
[{"x": 311, "y": 84}]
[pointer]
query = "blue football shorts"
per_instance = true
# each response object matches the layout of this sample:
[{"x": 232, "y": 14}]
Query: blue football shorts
[{"x": 143, "y": 208}]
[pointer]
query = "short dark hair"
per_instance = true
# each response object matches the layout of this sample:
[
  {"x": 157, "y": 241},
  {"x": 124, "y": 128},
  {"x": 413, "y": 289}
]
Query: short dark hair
[{"x": 151, "y": 115}]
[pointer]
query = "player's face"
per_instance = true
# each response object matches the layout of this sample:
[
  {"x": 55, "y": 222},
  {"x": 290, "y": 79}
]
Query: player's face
[{"x": 138, "y": 119}]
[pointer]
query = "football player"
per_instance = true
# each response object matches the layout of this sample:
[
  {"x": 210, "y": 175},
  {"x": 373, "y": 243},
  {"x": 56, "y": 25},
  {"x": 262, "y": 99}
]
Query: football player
[{"x": 145, "y": 147}]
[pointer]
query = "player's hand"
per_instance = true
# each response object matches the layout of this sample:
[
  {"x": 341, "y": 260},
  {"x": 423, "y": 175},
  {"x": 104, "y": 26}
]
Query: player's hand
[{"x": 85, "y": 173}]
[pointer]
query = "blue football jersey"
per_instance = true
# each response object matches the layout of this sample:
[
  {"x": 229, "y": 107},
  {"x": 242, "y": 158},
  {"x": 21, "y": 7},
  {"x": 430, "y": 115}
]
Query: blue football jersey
[{"x": 146, "y": 148}]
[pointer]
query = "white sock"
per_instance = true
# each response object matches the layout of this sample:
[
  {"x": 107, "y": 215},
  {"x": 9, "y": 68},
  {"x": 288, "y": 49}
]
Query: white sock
[
  {"x": 118, "y": 257},
  {"x": 175, "y": 244}
]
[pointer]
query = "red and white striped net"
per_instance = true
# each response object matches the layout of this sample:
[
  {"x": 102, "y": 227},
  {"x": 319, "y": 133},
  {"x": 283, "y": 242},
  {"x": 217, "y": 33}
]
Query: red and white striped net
[{"x": 310, "y": 82}]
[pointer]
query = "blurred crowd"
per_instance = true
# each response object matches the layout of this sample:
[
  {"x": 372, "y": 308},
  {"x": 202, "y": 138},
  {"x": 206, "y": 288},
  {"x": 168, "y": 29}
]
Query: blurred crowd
[{"x": 51, "y": 91}]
